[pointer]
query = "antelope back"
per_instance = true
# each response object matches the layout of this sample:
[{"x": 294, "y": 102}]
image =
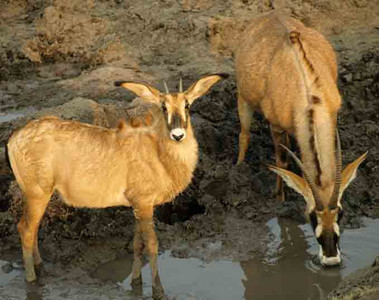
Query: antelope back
[{"x": 270, "y": 68}]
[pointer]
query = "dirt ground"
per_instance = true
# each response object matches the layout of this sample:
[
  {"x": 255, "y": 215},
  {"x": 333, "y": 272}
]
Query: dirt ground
[{"x": 52, "y": 52}]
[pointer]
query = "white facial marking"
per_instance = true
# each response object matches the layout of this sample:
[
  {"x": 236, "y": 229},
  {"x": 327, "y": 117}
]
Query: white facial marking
[
  {"x": 318, "y": 230},
  {"x": 320, "y": 253},
  {"x": 178, "y": 134},
  {"x": 330, "y": 261},
  {"x": 336, "y": 229}
]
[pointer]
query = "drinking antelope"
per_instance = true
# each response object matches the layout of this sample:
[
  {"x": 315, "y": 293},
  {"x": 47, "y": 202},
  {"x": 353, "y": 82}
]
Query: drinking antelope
[
  {"x": 289, "y": 72},
  {"x": 97, "y": 167}
]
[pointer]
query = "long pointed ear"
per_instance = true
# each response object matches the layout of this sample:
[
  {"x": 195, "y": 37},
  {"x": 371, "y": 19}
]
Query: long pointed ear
[
  {"x": 350, "y": 172},
  {"x": 144, "y": 91},
  {"x": 295, "y": 182},
  {"x": 202, "y": 86}
]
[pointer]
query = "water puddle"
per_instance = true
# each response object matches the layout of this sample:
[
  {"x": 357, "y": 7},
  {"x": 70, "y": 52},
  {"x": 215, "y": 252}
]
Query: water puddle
[
  {"x": 289, "y": 270},
  {"x": 10, "y": 115},
  {"x": 7, "y": 272}
]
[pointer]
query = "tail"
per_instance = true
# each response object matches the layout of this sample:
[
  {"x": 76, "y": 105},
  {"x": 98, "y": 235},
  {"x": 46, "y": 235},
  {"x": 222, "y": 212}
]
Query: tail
[
  {"x": 7, "y": 152},
  {"x": 7, "y": 156}
]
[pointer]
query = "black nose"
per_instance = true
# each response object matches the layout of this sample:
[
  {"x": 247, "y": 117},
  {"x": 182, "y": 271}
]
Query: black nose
[{"x": 178, "y": 137}]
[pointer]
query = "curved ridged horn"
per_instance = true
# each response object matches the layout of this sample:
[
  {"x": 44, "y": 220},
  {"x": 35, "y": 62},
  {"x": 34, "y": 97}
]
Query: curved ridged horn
[
  {"x": 337, "y": 185},
  {"x": 166, "y": 87},
  {"x": 181, "y": 85},
  {"x": 318, "y": 202}
]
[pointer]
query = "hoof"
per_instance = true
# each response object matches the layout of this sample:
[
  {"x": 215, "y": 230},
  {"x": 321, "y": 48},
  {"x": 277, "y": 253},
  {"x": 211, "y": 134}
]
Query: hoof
[
  {"x": 30, "y": 276},
  {"x": 136, "y": 282},
  {"x": 39, "y": 269},
  {"x": 158, "y": 294},
  {"x": 137, "y": 286}
]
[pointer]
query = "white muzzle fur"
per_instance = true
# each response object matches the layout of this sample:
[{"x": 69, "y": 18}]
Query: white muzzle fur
[
  {"x": 329, "y": 261},
  {"x": 177, "y": 134}
]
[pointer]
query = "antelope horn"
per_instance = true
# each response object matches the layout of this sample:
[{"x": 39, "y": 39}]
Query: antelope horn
[
  {"x": 180, "y": 85},
  {"x": 316, "y": 196},
  {"x": 337, "y": 185},
  {"x": 166, "y": 87}
]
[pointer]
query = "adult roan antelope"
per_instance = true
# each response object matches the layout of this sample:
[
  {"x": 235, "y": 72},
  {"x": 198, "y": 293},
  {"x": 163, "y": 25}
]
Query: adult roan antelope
[
  {"x": 96, "y": 167},
  {"x": 289, "y": 72}
]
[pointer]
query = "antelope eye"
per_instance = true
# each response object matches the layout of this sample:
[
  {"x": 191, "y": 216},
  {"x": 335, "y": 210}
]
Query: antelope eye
[
  {"x": 340, "y": 215},
  {"x": 313, "y": 219},
  {"x": 164, "y": 108},
  {"x": 336, "y": 238}
]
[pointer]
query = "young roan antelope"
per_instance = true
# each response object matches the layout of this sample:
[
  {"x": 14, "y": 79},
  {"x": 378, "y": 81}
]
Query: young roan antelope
[
  {"x": 96, "y": 167},
  {"x": 288, "y": 72}
]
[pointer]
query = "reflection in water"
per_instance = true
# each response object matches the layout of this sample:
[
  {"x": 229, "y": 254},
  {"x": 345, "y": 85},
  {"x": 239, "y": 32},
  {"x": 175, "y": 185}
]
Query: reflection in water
[
  {"x": 34, "y": 291},
  {"x": 292, "y": 275},
  {"x": 288, "y": 270},
  {"x": 192, "y": 278}
]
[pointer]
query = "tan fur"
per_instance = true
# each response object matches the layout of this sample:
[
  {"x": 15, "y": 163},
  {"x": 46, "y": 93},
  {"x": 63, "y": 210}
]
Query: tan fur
[
  {"x": 281, "y": 65},
  {"x": 52, "y": 145},
  {"x": 328, "y": 218},
  {"x": 135, "y": 164}
]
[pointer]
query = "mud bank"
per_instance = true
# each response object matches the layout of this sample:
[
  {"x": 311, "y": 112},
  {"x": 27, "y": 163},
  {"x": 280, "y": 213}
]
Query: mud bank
[{"x": 362, "y": 284}]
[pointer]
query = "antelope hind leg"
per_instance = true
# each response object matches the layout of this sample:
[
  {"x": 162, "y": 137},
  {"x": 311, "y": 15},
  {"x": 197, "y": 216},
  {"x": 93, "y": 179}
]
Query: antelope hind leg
[
  {"x": 245, "y": 114},
  {"x": 28, "y": 229}
]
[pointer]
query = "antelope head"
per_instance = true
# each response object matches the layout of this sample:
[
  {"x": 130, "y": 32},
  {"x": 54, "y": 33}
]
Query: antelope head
[
  {"x": 174, "y": 106},
  {"x": 324, "y": 208}
]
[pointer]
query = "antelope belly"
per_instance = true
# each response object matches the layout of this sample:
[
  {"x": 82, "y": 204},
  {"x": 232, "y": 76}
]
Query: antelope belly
[{"x": 94, "y": 197}]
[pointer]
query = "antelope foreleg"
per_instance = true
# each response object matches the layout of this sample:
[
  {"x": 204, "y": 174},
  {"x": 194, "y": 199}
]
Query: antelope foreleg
[
  {"x": 144, "y": 217},
  {"x": 280, "y": 137},
  {"x": 137, "y": 262},
  {"x": 245, "y": 115}
]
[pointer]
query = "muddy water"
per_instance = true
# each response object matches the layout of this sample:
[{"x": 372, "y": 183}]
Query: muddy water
[
  {"x": 289, "y": 270},
  {"x": 12, "y": 115},
  {"x": 9, "y": 116}
]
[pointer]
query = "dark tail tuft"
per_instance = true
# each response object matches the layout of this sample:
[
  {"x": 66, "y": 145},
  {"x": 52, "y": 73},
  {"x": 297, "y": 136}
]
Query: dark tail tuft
[
  {"x": 119, "y": 83},
  {"x": 7, "y": 156}
]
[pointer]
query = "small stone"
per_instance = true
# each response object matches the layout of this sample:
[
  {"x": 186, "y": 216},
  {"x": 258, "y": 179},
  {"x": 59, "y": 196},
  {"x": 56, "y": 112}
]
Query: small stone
[
  {"x": 7, "y": 268},
  {"x": 376, "y": 262},
  {"x": 347, "y": 77},
  {"x": 17, "y": 265}
]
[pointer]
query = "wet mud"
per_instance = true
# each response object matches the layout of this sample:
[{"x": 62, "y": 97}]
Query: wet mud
[{"x": 58, "y": 58}]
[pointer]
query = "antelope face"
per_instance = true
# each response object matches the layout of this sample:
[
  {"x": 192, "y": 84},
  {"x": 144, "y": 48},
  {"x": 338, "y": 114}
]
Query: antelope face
[
  {"x": 325, "y": 225},
  {"x": 174, "y": 106},
  {"x": 323, "y": 204}
]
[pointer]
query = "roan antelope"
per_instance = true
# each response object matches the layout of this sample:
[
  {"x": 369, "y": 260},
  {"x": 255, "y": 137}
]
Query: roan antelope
[
  {"x": 97, "y": 167},
  {"x": 289, "y": 72}
]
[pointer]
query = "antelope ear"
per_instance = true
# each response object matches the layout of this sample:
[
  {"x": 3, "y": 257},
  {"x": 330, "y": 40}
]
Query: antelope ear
[
  {"x": 350, "y": 172},
  {"x": 202, "y": 86},
  {"x": 144, "y": 91},
  {"x": 295, "y": 182}
]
